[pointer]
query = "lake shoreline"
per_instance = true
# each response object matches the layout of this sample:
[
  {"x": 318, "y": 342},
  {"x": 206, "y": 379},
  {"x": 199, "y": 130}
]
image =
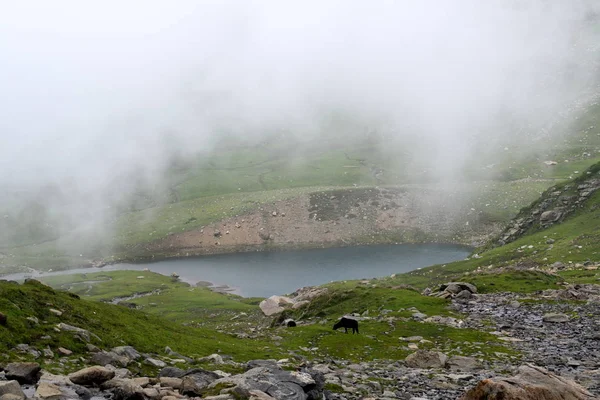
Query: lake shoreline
[{"x": 261, "y": 274}]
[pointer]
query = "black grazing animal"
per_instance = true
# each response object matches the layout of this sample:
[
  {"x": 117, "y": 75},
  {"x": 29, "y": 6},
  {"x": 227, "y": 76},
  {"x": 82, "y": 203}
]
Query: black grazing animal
[{"x": 347, "y": 323}]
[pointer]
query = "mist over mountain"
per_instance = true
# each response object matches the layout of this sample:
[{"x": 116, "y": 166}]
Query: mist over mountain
[{"x": 100, "y": 102}]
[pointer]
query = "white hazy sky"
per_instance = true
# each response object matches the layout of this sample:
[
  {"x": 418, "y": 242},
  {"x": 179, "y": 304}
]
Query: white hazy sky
[{"x": 89, "y": 88}]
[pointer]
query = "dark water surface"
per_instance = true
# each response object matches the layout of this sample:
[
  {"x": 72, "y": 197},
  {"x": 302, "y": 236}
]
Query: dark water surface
[{"x": 263, "y": 274}]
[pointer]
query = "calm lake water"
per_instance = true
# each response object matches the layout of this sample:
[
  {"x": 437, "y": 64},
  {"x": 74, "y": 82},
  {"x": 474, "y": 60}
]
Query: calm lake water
[{"x": 263, "y": 274}]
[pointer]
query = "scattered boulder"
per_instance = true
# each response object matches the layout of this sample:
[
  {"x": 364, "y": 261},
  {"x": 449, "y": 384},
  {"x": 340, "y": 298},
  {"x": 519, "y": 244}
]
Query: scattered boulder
[
  {"x": 213, "y": 358},
  {"x": 450, "y": 290},
  {"x": 127, "y": 351},
  {"x": 531, "y": 383},
  {"x": 426, "y": 359},
  {"x": 109, "y": 358},
  {"x": 91, "y": 376},
  {"x": 171, "y": 372},
  {"x": 462, "y": 363},
  {"x": 155, "y": 363},
  {"x": 174, "y": 383},
  {"x": 275, "y": 304},
  {"x": 11, "y": 388},
  {"x": 23, "y": 372},
  {"x": 172, "y": 353},
  {"x": 128, "y": 390},
  {"x": 448, "y": 321},
  {"x": 555, "y": 317},
  {"x": 83, "y": 334},
  {"x": 64, "y": 352},
  {"x": 195, "y": 380},
  {"x": 550, "y": 216},
  {"x": 48, "y": 391}
]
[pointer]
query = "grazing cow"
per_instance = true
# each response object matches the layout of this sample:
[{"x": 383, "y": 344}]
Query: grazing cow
[{"x": 347, "y": 323}]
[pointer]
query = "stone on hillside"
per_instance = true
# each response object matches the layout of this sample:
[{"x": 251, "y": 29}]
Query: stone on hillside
[
  {"x": 300, "y": 303},
  {"x": 64, "y": 352},
  {"x": 48, "y": 391},
  {"x": 256, "y": 394},
  {"x": 462, "y": 363},
  {"x": 91, "y": 376},
  {"x": 56, "y": 312},
  {"x": 172, "y": 353},
  {"x": 555, "y": 317},
  {"x": 531, "y": 383},
  {"x": 213, "y": 358},
  {"x": 419, "y": 316},
  {"x": 448, "y": 321},
  {"x": 550, "y": 216},
  {"x": 174, "y": 383},
  {"x": 48, "y": 353},
  {"x": 274, "y": 304},
  {"x": 426, "y": 359},
  {"x": 78, "y": 332},
  {"x": 3, "y": 319},
  {"x": 456, "y": 287},
  {"x": 171, "y": 372},
  {"x": 23, "y": 372},
  {"x": 128, "y": 390},
  {"x": 11, "y": 388},
  {"x": 193, "y": 383},
  {"x": 91, "y": 348},
  {"x": 127, "y": 351},
  {"x": 155, "y": 363},
  {"x": 277, "y": 383},
  {"x": 464, "y": 294},
  {"x": 26, "y": 349},
  {"x": 10, "y": 396},
  {"x": 109, "y": 358}
]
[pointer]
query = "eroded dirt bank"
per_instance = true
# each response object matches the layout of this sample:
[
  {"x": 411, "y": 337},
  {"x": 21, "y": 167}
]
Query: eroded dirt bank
[{"x": 335, "y": 218}]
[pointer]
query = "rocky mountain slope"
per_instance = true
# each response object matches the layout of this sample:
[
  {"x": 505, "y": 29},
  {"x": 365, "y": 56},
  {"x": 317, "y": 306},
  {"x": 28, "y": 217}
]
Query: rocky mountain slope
[{"x": 518, "y": 320}]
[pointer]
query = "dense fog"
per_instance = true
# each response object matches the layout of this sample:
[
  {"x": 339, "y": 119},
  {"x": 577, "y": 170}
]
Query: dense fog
[{"x": 98, "y": 98}]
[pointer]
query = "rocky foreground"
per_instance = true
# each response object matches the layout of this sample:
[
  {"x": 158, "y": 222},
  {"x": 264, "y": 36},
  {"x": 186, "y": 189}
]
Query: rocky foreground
[{"x": 555, "y": 332}]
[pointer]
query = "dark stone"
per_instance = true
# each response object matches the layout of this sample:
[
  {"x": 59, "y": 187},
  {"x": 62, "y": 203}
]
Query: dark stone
[
  {"x": 194, "y": 381},
  {"x": 24, "y": 373},
  {"x": 171, "y": 372},
  {"x": 3, "y": 319}
]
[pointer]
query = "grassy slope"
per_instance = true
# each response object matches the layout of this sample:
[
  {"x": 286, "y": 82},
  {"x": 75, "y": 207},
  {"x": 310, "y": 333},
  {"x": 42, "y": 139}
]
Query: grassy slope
[
  {"x": 224, "y": 316},
  {"x": 236, "y": 180},
  {"x": 115, "y": 325},
  {"x": 232, "y": 315}
]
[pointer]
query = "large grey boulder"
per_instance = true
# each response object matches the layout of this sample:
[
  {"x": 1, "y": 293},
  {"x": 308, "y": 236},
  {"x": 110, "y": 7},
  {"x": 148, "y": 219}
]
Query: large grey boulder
[
  {"x": 462, "y": 363},
  {"x": 11, "y": 388},
  {"x": 555, "y": 317},
  {"x": 426, "y": 359},
  {"x": 171, "y": 372},
  {"x": 128, "y": 390},
  {"x": 23, "y": 372},
  {"x": 81, "y": 333},
  {"x": 91, "y": 376},
  {"x": 196, "y": 380},
  {"x": 277, "y": 383},
  {"x": 531, "y": 383},
  {"x": 457, "y": 287},
  {"x": 127, "y": 351},
  {"x": 550, "y": 216},
  {"x": 275, "y": 304},
  {"x": 109, "y": 358},
  {"x": 48, "y": 391}
]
